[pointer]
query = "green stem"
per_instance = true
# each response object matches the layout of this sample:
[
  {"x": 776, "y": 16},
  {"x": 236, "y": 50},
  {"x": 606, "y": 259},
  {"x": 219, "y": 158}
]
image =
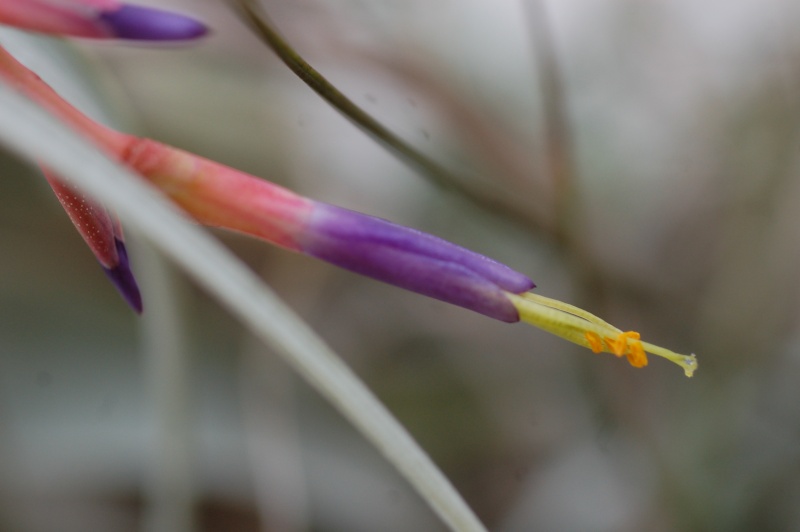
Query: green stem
[{"x": 487, "y": 197}]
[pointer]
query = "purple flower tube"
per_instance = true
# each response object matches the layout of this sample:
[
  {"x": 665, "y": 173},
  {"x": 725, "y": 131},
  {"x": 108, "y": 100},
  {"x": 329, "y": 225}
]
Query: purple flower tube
[
  {"x": 122, "y": 278},
  {"x": 147, "y": 24},
  {"x": 100, "y": 19},
  {"x": 412, "y": 260}
]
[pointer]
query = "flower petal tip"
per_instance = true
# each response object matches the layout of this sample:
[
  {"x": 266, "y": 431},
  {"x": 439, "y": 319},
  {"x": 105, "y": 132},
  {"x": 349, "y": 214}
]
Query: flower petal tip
[
  {"x": 122, "y": 277},
  {"x": 148, "y": 24}
]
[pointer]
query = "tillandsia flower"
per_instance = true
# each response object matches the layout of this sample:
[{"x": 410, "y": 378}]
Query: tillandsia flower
[
  {"x": 103, "y": 234},
  {"x": 220, "y": 196},
  {"x": 99, "y": 19},
  {"x": 217, "y": 195}
]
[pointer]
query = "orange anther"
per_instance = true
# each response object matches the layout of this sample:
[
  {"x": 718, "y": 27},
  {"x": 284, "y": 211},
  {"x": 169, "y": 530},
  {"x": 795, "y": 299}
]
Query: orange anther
[
  {"x": 595, "y": 342},
  {"x": 619, "y": 345},
  {"x": 637, "y": 357}
]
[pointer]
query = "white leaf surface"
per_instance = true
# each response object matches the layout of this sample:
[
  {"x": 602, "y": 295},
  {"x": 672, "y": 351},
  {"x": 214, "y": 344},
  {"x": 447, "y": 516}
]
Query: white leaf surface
[{"x": 36, "y": 135}]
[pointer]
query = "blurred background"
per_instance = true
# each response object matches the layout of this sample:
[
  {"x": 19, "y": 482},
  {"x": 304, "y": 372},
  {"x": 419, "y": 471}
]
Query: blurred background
[{"x": 650, "y": 156}]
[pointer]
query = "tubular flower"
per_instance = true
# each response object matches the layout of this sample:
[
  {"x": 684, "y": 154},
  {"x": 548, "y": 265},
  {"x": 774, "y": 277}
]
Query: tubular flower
[
  {"x": 220, "y": 196},
  {"x": 103, "y": 235},
  {"x": 99, "y": 19},
  {"x": 217, "y": 195}
]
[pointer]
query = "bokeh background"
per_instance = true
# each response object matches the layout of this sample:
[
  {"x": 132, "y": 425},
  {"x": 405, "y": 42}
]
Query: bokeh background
[{"x": 654, "y": 148}]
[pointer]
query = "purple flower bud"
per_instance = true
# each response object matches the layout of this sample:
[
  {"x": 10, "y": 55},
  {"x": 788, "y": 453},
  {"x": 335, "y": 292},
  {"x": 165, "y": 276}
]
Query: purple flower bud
[
  {"x": 122, "y": 277},
  {"x": 413, "y": 260},
  {"x": 144, "y": 23},
  {"x": 99, "y": 19}
]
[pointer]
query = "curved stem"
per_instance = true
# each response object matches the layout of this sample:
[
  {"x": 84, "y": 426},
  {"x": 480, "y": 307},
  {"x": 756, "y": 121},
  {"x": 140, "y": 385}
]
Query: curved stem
[
  {"x": 558, "y": 137},
  {"x": 487, "y": 197}
]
